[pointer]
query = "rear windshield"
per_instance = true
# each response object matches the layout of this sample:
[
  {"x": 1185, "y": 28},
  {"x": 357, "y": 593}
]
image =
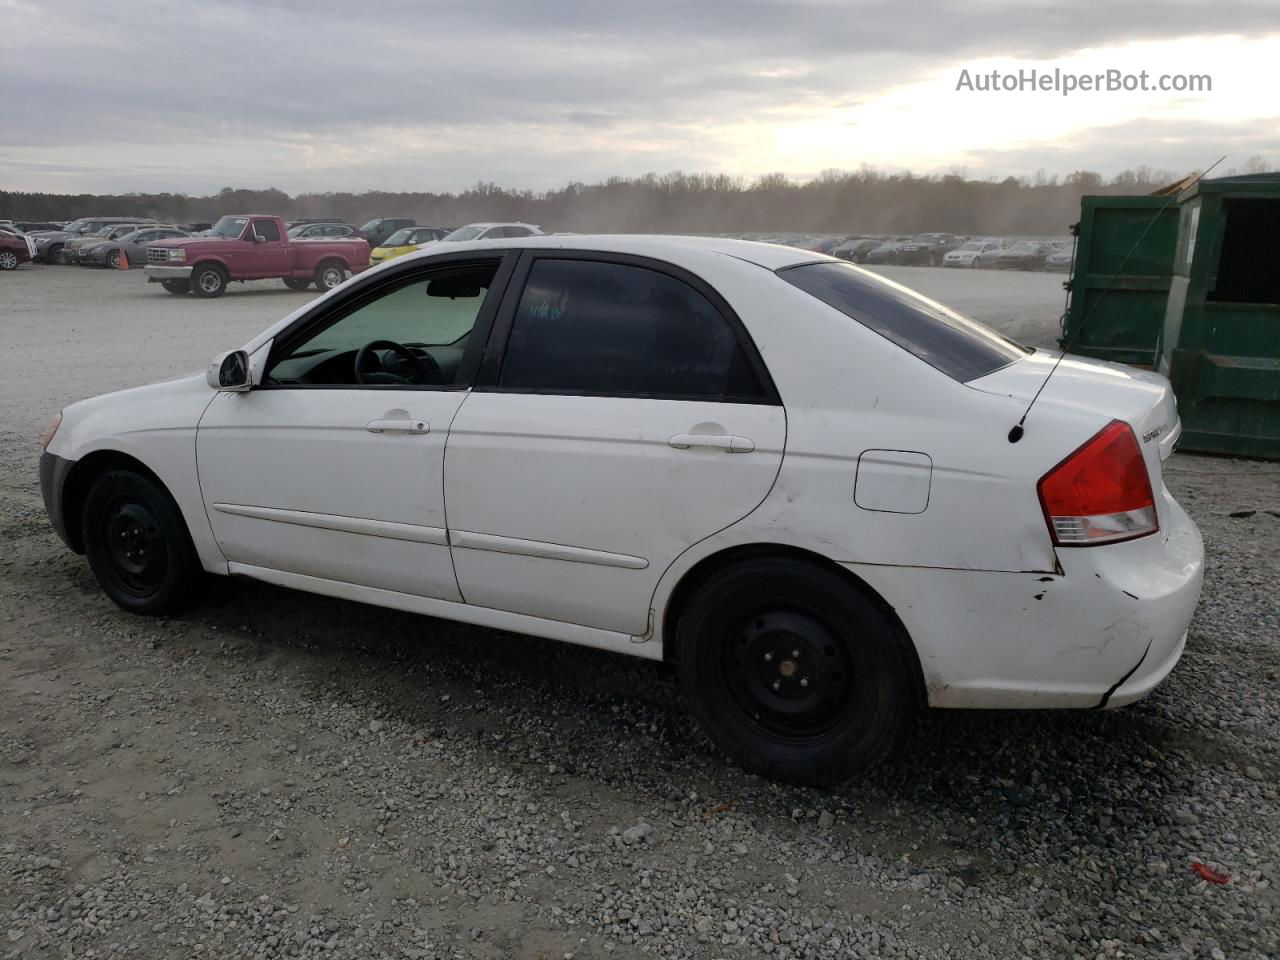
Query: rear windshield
[{"x": 961, "y": 348}]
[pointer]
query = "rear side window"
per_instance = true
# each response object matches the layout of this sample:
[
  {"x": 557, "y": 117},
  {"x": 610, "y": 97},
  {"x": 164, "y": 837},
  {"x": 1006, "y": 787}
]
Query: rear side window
[
  {"x": 961, "y": 348},
  {"x": 585, "y": 327}
]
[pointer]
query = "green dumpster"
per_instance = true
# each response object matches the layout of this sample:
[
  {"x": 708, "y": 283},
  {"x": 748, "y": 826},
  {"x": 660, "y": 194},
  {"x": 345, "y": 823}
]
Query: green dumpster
[
  {"x": 1120, "y": 282},
  {"x": 1220, "y": 341}
]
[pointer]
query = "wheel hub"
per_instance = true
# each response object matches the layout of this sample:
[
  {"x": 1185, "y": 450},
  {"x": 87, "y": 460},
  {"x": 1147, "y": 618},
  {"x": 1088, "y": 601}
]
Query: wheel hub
[
  {"x": 135, "y": 546},
  {"x": 790, "y": 672}
]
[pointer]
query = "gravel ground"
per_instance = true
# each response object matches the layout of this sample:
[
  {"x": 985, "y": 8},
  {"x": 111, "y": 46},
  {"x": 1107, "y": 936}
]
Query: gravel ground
[{"x": 280, "y": 775}]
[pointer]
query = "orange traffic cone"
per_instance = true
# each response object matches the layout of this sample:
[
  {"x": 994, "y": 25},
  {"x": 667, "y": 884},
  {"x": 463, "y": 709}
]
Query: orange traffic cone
[{"x": 124, "y": 259}]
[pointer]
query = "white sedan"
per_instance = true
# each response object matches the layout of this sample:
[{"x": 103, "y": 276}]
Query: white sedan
[{"x": 791, "y": 477}]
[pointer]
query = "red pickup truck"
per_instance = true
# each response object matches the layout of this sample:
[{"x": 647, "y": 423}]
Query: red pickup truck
[{"x": 251, "y": 247}]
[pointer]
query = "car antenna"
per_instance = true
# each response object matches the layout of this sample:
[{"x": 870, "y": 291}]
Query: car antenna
[{"x": 1016, "y": 432}]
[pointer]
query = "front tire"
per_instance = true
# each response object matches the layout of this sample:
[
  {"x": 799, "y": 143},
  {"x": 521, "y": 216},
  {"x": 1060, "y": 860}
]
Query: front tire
[
  {"x": 113, "y": 260},
  {"x": 208, "y": 281},
  {"x": 793, "y": 672},
  {"x": 56, "y": 254},
  {"x": 177, "y": 287},
  {"x": 138, "y": 545}
]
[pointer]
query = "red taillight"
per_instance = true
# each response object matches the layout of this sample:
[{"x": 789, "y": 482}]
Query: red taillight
[{"x": 1101, "y": 493}]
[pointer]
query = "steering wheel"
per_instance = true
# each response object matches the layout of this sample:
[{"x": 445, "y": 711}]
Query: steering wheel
[{"x": 423, "y": 370}]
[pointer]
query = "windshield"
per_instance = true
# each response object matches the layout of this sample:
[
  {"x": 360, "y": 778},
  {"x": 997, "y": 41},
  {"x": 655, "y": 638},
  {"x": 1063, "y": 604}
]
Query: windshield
[
  {"x": 397, "y": 239},
  {"x": 961, "y": 348},
  {"x": 1025, "y": 247},
  {"x": 973, "y": 245},
  {"x": 104, "y": 232},
  {"x": 229, "y": 226},
  {"x": 465, "y": 233},
  {"x": 372, "y": 223}
]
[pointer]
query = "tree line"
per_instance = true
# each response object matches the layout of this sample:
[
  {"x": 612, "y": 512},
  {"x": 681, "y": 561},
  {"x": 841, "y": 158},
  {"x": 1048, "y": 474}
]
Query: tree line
[{"x": 837, "y": 201}]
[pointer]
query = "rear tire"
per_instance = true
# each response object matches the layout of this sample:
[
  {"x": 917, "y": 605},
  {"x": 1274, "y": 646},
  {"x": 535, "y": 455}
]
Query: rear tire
[
  {"x": 177, "y": 287},
  {"x": 295, "y": 283},
  {"x": 138, "y": 545},
  {"x": 329, "y": 274},
  {"x": 8, "y": 260},
  {"x": 208, "y": 281},
  {"x": 793, "y": 672}
]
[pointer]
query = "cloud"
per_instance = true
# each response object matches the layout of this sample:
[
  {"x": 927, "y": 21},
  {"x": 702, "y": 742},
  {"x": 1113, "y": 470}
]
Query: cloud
[{"x": 404, "y": 95}]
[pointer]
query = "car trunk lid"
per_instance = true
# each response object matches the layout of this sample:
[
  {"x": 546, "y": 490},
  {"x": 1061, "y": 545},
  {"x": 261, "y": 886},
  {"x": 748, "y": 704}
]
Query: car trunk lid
[{"x": 1109, "y": 391}]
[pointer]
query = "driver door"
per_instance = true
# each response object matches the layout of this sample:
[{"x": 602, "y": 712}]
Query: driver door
[{"x": 318, "y": 472}]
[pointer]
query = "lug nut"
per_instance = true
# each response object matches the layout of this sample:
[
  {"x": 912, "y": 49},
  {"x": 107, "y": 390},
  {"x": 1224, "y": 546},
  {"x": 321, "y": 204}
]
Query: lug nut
[
  {"x": 795, "y": 653},
  {"x": 804, "y": 681},
  {"x": 768, "y": 657},
  {"x": 777, "y": 685}
]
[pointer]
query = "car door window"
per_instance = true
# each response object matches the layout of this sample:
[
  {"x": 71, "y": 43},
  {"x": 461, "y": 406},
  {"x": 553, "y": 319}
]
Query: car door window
[
  {"x": 431, "y": 314},
  {"x": 266, "y": 230},
  {"x": 590, "y": 327}
]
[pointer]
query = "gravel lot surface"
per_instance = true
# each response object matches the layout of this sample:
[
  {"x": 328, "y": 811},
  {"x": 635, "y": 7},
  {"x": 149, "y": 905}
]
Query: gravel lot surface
[{"x": 280, "y": 775}]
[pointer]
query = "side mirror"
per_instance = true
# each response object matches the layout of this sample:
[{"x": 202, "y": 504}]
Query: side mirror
[
  {"x": 229, "y": 372},
  {"x": 253, "y": 235}
]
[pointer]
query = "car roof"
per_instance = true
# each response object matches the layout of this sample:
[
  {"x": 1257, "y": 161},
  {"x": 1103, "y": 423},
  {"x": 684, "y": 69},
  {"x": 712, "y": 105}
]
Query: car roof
[{"x": 771, "y": 256}]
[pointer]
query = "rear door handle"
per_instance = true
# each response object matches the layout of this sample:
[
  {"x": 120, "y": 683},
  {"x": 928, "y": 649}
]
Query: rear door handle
[
  {"x": 398, "y": 426},
  {"x": 728, "y": 442}
]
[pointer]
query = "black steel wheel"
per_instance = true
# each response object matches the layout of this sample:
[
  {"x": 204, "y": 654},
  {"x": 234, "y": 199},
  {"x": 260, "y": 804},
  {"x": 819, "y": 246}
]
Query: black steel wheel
[
  {"x": 137, "y": 543},
  {"x": 793, "y": 671}
]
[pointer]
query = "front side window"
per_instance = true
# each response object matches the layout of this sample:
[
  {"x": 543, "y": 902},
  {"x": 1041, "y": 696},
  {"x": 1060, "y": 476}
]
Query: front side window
[
  {"x": 586, "y": 327},
  {"x": 961, "y": 348},
  {"x": 430, "y": 316},
  {"x": 266, "y": 230}
]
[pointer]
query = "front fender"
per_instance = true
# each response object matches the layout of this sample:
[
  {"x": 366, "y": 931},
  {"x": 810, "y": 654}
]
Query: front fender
[{"x": 155, "y": 425}]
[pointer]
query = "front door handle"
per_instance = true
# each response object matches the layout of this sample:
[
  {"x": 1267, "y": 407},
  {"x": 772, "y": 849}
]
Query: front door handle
[
  {"x": 727, "y": 443},
  {"x": 398, "y": 426}
]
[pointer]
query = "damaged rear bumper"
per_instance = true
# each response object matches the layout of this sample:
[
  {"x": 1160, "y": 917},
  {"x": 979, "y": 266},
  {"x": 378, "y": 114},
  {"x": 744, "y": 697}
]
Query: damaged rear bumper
[{"x": 1104, "y": 630}]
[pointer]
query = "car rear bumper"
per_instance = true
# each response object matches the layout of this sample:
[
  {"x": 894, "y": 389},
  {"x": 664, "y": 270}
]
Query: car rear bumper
[
  {"x": 1103, "y": 630},
  {"x": 156, "y": 272}
]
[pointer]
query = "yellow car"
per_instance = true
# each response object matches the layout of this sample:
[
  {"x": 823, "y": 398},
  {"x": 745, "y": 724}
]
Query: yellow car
[{"x": 404, "y": 241}]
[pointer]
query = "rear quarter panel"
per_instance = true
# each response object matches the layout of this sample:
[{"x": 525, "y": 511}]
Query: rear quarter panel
[{"x": 309, "y": 253}]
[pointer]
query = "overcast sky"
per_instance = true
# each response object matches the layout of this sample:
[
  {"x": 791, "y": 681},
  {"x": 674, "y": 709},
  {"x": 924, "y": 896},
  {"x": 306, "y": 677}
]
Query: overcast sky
[{"x": 307, "y": 95}]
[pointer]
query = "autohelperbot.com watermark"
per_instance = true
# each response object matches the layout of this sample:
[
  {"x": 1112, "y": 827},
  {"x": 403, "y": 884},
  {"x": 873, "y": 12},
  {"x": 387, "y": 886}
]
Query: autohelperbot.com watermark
[{"x": 1067, "y": 82}]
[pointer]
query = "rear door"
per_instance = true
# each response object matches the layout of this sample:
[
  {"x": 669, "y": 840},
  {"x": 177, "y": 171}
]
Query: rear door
[{"x": 622, "y": 415}]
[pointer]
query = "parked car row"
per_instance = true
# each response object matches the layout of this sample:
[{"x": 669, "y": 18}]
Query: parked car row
[
  {"x": 935, "y": 249},
  {"x": 261, "y": 247}
]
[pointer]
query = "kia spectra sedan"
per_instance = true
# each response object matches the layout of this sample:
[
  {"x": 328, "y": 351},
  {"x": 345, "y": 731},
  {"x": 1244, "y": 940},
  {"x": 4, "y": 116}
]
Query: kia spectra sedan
[{"x": 791, "y": 477}]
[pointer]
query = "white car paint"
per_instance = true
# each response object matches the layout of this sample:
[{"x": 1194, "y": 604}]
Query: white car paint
[
  {"x": 972, "y": 253},
  {"x": 576, "y": 518}
]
